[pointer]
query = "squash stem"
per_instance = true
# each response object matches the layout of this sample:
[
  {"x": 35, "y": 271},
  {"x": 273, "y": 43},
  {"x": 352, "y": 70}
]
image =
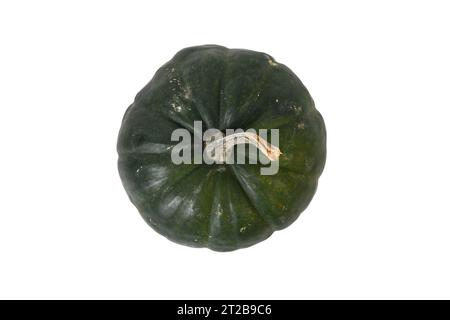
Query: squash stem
[{"x": 220, "y": 149}]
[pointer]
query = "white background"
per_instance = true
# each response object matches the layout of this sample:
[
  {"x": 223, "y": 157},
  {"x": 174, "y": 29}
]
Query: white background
[{"x": 379, "y": 225}]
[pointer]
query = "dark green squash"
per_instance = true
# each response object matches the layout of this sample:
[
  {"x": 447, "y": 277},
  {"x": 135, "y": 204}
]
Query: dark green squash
[{"x": 221, "y": 206}]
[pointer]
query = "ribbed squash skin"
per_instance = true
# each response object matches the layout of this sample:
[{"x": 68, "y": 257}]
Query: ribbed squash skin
[{"x": 222, "y": 207}]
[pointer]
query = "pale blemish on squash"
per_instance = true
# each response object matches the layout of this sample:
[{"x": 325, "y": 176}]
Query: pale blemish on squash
[
  {"x": 175, "y": 107},
  {"x": 169, "y": 205},
  {"x": 221, "y": 169},
  {"x": 188, "y": 93},
  {"x": 188, "y": 208},
  {"x": 271, "y": 62},
  {"x": 219, "y": 210},
  {"x": 156, "y": 176},
  {"x": 296, "y": 109}
]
